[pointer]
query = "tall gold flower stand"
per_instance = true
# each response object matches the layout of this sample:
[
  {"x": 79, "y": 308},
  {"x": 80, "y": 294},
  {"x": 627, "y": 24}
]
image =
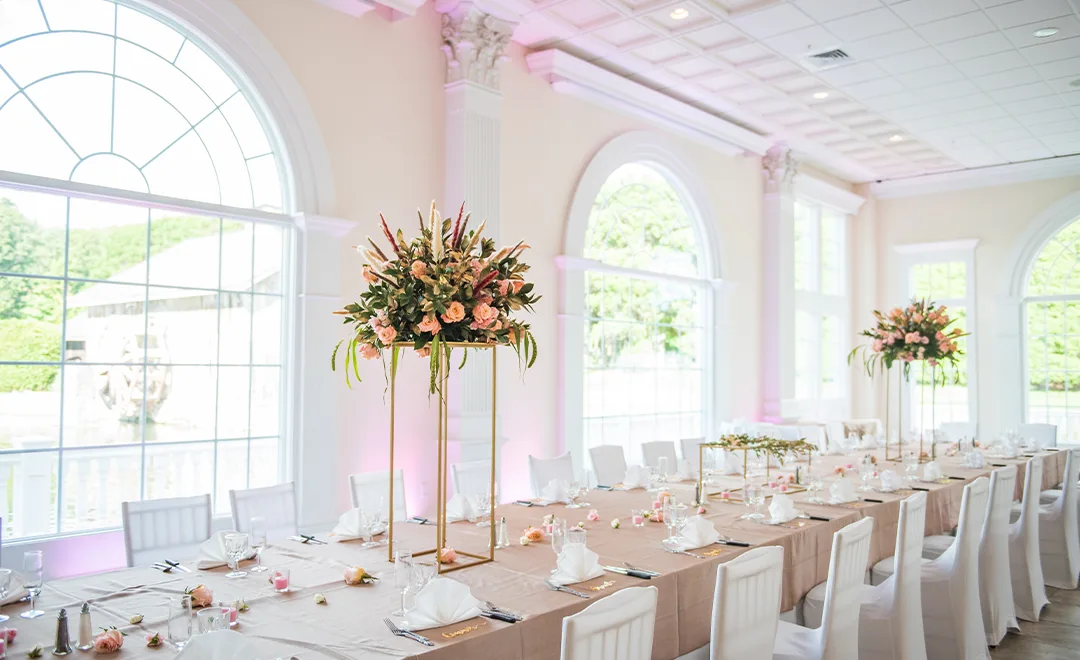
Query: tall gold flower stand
[{"x": 443, "y": 383}]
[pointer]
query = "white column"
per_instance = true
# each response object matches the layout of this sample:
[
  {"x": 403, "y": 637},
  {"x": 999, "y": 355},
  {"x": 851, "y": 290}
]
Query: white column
[
  {"x": 312, "y": 463},
  {"x": 475, "y": 36},
  {"x": 778, "y": 284},
  {"x": 1008, "y": 369}
]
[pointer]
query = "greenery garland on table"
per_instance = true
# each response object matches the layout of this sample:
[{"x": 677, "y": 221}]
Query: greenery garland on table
[
  {"x": 762, "y": 445},
  {"x": 916, "y": 333}
]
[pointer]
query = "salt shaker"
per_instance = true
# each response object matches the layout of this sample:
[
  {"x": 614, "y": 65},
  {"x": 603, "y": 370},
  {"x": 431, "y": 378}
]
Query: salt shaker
[
  {"x": 86, "y": 629},
  {"x": 63, "y": 639},
  {"x": 502, "y": 538}
]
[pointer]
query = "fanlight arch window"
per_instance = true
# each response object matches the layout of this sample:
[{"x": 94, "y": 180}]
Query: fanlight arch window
[
  {"x": 1052, "y": 310},
  {"x": 143, "y": 268},
  {"x": 645, "y": 371}
]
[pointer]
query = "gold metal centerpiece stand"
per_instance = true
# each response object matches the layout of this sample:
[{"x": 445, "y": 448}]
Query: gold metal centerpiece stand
[{"x": 442, "y": 392}]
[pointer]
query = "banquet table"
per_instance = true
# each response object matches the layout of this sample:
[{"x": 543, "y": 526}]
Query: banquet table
[{"x": 349, "y": 625}]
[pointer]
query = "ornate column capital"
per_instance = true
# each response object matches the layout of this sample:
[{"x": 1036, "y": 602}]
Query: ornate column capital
[
  {"x": 475, "y": 37},
  {"x": 778, "y": 166}
]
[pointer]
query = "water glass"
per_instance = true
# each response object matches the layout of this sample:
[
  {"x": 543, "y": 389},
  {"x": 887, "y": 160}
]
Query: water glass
[
  {"x": 33, "y": 569},
  {"x": 754, "y": 498},
  {"x": 210, "y": 619},
  {"x": 814, "y": 489},
  {"x": 558, "y": 535},
  {"x": 403, "y": 570},
  {"x": 236, "y": 546},
  {"x": 866, "y": 473},
  {"x": 483, "y": 507},
  {"x": 258, "y": 541},
  {"x": 5, "y": 584},
  {"x": 179, "y": 621},
  {"x": 911, "y": 465},
  {"x": 369, "y": 520},
  {"x": 575, "y": 536}
]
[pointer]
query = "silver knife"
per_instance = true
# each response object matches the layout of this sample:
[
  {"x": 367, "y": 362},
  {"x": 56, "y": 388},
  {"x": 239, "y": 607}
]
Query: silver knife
[
  {"x": 627, "y": 571},
  {"x": 307, "y": 539}
]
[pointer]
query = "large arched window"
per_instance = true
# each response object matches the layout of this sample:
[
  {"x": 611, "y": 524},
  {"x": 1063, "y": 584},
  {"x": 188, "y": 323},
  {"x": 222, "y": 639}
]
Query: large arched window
[
  {"x": 143, "y": 268},
  {"x": 1052, "y": 309},
  {"x": 645, "y": 298}
]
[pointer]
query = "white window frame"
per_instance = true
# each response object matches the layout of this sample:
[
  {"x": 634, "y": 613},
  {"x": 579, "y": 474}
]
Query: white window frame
[{"x": 963, "y": 251}]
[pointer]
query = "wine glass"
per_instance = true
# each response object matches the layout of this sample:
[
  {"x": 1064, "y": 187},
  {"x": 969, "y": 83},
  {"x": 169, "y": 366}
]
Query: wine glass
[
  {"x": 483, "y": 506},
  {"x": 236, "y": 546},
  {"x": 558, "y": 535},
  {"x": 754, "y": 496},
  {"x": 5, "y": 583},
  {"x": 866, "y": 473},
  {"x": 33, "y": 567},
  {"x": 423, "y": 574},
  {"x": 669, "y": 517},
  {"x": 911, "y": 465},
  {"x": 583, "y": 487},
  {"x": 403, "y": 569},
  {"x": 815, "y": 488},
  {"x": 573, "y": 492},
  {"x": 258, "y": 542},
  {"x": 368, "y": 521}
]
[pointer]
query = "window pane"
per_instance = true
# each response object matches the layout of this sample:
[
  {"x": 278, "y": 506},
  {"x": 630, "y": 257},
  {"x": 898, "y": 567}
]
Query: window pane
[
  {"x": 805, "y": 347},
  {"x": 805, "y": 230},
  {"x": 830, "y": 357},
  {"x": 1054, "y": 271},
  {"x": 832, "y": 252},
  {"x": 29, "y": 506}
]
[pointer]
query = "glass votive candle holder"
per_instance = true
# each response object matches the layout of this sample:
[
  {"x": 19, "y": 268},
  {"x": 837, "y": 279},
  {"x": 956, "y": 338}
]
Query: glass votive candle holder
[
  {"x": 228, "y": 608},
  {"x": 637, "y": 516},
  {"x": 3, "y": 643},
  {"x": 210, "y": 619},
  {"x": 280, "y": 579}
]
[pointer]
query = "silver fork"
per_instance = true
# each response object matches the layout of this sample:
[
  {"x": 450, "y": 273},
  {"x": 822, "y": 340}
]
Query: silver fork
[
  {"x": 684, "y": 552},
  {"x": 573, "y": 592},
  {"x": 643, "y": 570},
  {"x": 492, "y": 608},
  {"x": 408, "y": 634}
]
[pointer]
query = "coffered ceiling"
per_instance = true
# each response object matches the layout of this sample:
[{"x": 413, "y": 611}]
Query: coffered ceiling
[{"x": 927, "y": 85}]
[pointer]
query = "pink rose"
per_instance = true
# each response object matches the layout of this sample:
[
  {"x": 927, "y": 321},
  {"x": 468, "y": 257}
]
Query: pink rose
[
  {"x": 109, "y": 641},
  {"x": 356, "y": 575},
  {"x": 594, "y": 515},
  {"x": 386, "y": 335},
  {"x": 483, "y": 316},
  {"x": 917, "y": 318},
  {"x": 455, "y": 311},
  {"x": 504, "y": 285},
  {"x": 153, "y": 640},
  {"x": 11, "y": 633},
  {"x": 368, "y": 352},
  {"x": 201, "y": 596},
  {"x": 849, "y": 466},
  {"x": 725, "y": 495},
  {"x": 477, "y": 266},
  {"x": 701, "y": 510},
  {"x": 369, "y": 275},
  {"x": 485, "y": 298},
  {"x": 782, "y": 488},
  {"x": 447, "y": 556},
  {"x": 534, "y": 534},
  {"x": 430, "y": 324},
  {"x": 879, "y": 345},
  {"x": 772, "y": 484},
  {"x": 424, "y": 352},
  {"x": 418, "y": 269},
  {"x": 518, "y": 284},
  {"x": 940, "y": 335}
]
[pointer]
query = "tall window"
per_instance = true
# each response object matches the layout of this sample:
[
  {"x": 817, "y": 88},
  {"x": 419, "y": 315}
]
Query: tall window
[
  {"x": 1052, "y": 307},
  {"x": 821, "y": 310},
  {"x": 140, "y": 342},
  {"x": 644, "y": 308}
]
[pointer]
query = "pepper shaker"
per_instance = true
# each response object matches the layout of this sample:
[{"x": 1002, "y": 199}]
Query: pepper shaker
[
  {"x": 502, "y": 538},
  {"x": 86, "y": 629},
  {"x": 63, "y": 640}
]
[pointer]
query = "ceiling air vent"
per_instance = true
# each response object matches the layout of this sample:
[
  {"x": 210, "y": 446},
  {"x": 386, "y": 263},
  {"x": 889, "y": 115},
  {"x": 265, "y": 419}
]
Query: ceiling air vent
[{"x": 826, "y": 59}]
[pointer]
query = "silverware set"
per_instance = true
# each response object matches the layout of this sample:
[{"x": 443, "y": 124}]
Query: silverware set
[
  {"x": 675, "y": 551},
  {"x": 490, "y": 611},
  {"x": 566, "y": 590},
  {"x": 167, "y": 566},
  {"x": 408, "y": 634},
  {"x": 641, "y": 570},
  {"x": 304, "y": 538}
]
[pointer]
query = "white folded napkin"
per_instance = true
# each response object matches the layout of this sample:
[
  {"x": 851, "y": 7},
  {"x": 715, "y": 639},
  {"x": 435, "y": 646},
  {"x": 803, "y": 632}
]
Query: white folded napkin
[
  {"x": 212, "y": 552},
  {"x": 975, "y": 459},
  {"x": 733, "y": 463},
  {"x": 890, "y": 481},
  {"x": 554, "y": 491},
  {"x": 219, "y": 645},
  {"x": 1009, "y": 449},
  {"x": 931, "y": 471},
  {"x": 636, "y": 477},
  {"x": 16, "y": 591},
  {"x": 686, "y": 471},
  {"x": 462, "y": 507},
  {"x": 350, "y": 526},
  {"x": 441, "y": 603},
  {"x": 782, "y": 508},
  {"x": 698, "y": 533},
  {"x": 576, "y": 563},
  {"x": 842, "y": 491}
]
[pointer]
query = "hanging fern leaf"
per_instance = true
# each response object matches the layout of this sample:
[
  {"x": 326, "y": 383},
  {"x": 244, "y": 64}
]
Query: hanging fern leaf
[{"x": 333, "y": 356}]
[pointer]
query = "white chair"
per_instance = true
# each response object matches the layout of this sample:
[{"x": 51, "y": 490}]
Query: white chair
[
  {"x": 543, "y": 471},
  {"x": 952, "y": 615},
  {"x": 815, "y": 435},
  {"x": 690, "y": 452},
  {"x": 1044, "y": 434},
  {"x": 652, "y": 452},
  {"x": 746, "y": 605},
  {"x": 956, "y": 431},
  {"x": 995, "y": 583},
  {"x": 369, "y": 490},
  {"x": 609, "y": 464},
  {"x": 468, "y": 478},
  {"x": 838, "y": 636},
  {"x": 165, "y": 529},
  {"x": 1059, "y": 538},
  {"x": 619, "y": 627},
  {"x": 1025, "y": 564},
  {"x": 788, "y": 432},
  {"x": 890, "y": 619},
  {"x": 275, "y": 504}
]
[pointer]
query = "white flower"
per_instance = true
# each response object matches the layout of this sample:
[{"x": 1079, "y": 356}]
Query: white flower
[
  {"x": 135, "y": 619},
  {"x": 524, "y": 540},
  {"x": 615, "y": 524},
  {"x": 320, "y": 599}
]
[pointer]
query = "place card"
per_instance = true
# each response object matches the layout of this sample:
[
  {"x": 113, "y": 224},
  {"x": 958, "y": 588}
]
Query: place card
[
  {"x": 606, "y": 584},
  {"x": 465, "y": 630}
]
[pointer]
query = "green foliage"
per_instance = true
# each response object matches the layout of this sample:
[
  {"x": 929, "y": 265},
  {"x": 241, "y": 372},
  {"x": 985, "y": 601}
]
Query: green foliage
[
  {"x": 32, "y": 341},
  {"x": 1053, "y": 336}
]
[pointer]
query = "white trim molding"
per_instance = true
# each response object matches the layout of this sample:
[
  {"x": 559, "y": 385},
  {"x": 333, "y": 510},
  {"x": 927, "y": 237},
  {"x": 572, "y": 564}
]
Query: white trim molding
[
  {"x": 978, "y": 177},
  {"x": 826, "y": 194},
  {"x": 570, "y": 75},
  {"x": 964, "y": 245},
  {"x": 358, "y": 8}
]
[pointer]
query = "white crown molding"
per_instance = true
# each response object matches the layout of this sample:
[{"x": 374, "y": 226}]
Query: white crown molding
[
  {"x": 358, "y": 8},
  {"x": 980, "y": 177},
  {"x": 962, "y": 245},
  {"x": 322, "y": 224},
  {"x": 570, "y": 75},
  {"x": 827, "y": 194}
]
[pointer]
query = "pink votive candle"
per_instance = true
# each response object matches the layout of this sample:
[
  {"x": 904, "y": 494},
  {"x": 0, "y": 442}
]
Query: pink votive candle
[
  {"x": 281, "y": 581},
  {"x": 229, "y": 612},
  {"x": 639, "y": 520},
  {"x": 657, "y": 505}
]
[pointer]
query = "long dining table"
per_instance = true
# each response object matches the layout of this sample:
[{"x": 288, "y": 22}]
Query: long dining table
[{"x": 349, "y": 624}]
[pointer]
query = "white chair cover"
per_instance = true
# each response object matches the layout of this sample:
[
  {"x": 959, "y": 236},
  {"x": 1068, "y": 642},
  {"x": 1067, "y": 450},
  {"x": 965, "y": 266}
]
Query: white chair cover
[
  {"x": 815, "y": 435},
  {"x": 689, "y": 449},
  {"x": 746, "y": 605},
  {"x": 1025, "y": 565},
  {"x": 368, "y": 489},
  {"x": 276, "y": 504},
  {"x": 543, "y": 470},
  {"x": 890, "y": 620},
  {"x": 1059, "y": 538},
  {"x": 619, "y": 627},
  {"x": 651, "y": 452},
  {"x": 1045, "y": 434},
  {"x": 788, "y": 432},
  {"x": 838, "y": 636},
  {"x": 169, "y": 529},
  {"x": 955, "y": 431},
  {"x": 469, "y": 478},
  {"x": 609, "y": 464}
]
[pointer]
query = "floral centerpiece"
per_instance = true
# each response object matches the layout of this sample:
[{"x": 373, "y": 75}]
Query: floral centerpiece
[
  {"x": 448, "y": 284},
  {"x": 918, "y": 332}
]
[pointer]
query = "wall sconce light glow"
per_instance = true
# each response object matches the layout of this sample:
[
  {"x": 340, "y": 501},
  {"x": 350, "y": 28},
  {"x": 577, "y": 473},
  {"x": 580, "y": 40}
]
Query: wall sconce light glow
[
  {"x": 679, "y": 13},
  {"x": 1045, "y": 32},
  {"x": 821, "y": 95},
  {"x": 896, "y": 138}
]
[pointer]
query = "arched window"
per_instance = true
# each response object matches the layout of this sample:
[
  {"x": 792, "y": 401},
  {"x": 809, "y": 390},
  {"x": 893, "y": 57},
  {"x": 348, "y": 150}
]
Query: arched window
[
  {"x": 645, "y": 300},
  {"x": 142, "y": 268},
  {"x": 1052, "y": 309}
]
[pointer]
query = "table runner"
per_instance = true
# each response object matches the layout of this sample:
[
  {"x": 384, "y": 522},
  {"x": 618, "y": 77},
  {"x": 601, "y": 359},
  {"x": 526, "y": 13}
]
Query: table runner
[{"x": 350, "y": 625}]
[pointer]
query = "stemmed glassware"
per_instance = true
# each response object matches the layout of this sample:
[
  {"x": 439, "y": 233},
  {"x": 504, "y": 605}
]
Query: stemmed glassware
[
  {"x": 754, "y": 498},
  {"x": 814, "y": 489},
  {"x": 368, "y": 521},
  {"x": 573, "y": 492},
  {"x": 669, "y": 517},
  {"x": 866, "y": 473},
  {"x": 258, "y": 542},
  {"x": 558, "y": 535},
  {"x": 911, "y": 465},
  {"x": 33, "y": 567},
  {"x": 483, "y": 505},
  {"x": 236, "y": 546},
  {"x": 5, "y": 584},
  {"x": 403, "y": 576}
]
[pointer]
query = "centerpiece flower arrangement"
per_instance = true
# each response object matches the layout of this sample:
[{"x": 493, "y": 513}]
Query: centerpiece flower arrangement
[
  {"x": 918, "y": 332},
  {"x": 763, "y": 446},
  {"x": 448, "y": 284}
]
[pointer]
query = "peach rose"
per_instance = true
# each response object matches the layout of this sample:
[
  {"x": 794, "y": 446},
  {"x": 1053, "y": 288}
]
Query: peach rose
[
  {"x": 477, "y": 266},
  {"x": 534, "y": 534},
  {"x": 485, "y": 298},
  {"x": 594, "y": 515},
  {"x": 368, "y": 352},
  {"x": 369, "y": 275},
  {"x": 483, "y": 315},
  {"x": 109, "y": 641},
  {"x": 430, "y": 324},
  {"x": 504, "y": 286},
  {"x": 386, "y": 335},
  {"x": 447, "y": 556},
  {"x": 517, "y": 285},
  {"x": 424, "y": 352},
  {"x": 357, "y": 575},
  {"x": 418, "y": 269},
  {"x": 455, "y": 311},
  {"x": 201, "y": 595}
]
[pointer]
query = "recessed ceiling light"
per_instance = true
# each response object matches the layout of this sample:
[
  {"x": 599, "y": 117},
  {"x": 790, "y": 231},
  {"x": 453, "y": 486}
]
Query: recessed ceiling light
[
  {"x": 1045, "y": 32},
  {"x": 896, "y": 138},
  {"x": 821, "y": 95},
  {"x": 679, "y": 13}
]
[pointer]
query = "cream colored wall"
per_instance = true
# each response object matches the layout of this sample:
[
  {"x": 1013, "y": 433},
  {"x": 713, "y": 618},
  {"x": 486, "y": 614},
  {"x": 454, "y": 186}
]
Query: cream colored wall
[
  {"x": 376, "y": 91},
  {"x": 998, "y": 216}
]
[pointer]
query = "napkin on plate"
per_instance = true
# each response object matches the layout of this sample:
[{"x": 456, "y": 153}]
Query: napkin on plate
[
  {"x": 782, "y": 508},
  {"x": 219, "y": 645},
  {"x": 975, "y": 459},
  {"x": 931, "y": 471},
  {"x": 698, "y": 533},
  {"x": 461, "y": 507},
  {"x": 842, "y": 491},
  {"x": 636, "y": 477},
  {"x": 441, "y": 603},
  {"x": 890, "y": 481},
  {"x": 576, "y": 563},
  {"x": 554, "y": 491},
  {"x": 212, "y": 552},
  {"x": 350, "y": 526}
]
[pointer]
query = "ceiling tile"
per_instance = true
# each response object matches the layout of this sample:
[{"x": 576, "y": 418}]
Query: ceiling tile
[
  {"x": 772, "y": 21},
  {"x": 662, "y": 18},
  {"x": 1053, "y": 128},
  {"x": 1063, "y": 145},
  {"x": 1020, "y": 150},
  {"x": 583, "y": 14},
  {"x": 747, "y": 53},
  {"x": 813, "y": 39},
  {"x": 929, "y": 123},
  {"x": 976, "y": 157},
  {"x": 745, "y": 94},
  {"x": 1024, "y": 35},
  {"x": 801, "y": 84},
  {"x": 840, "y": 108},
  {"x": 927, "y": 77},
  {"x": 947, "y": 91},
  {"x": 1046, "y": 117},
  {"x": 957, "y": 27},
  {"x": 1028, "y": 11},
  {"x": 777, "y": 69},
  {"x": 993, "y": 63},
  {"x": 918, "y": 12},
  {"x": 892, "y": 101},
  {"x": 624, "y": 33},
  {"x": 867, "y": 24},
  {"x": 968, "y": 102},
  {"x": 993, "y": 3},
  {"x": 1032, "y": 105},
  {"x": 1072, "y": 98},
  {"x": 1022, "y": 92},
  {"x": 918, "y": 111},
  {"x": 1054, "y": 50},
  {"x": 901, "y": 44},
  {"x": 992, "y": 125},
  {"x": 659, "y": 52},
  {"x": 872, "y": 88},
  {"x": 1060, "y": 69},
  {"x": 695, "y": 66},
  {"x": 723, "y": 81},
  {"x": 853, "y": 73},
  {"x": 1007, "y": 135},
  {"x": 1064, "y": 85},
  {"x": 985, "y": 113},
  {"x": 973, "y": 47},
  {"x": 714, "y": 35},
  {"x": 919, "y": 59},
  {"x": 826, "y": 10},
  {"x": 1010, "y": 78}
]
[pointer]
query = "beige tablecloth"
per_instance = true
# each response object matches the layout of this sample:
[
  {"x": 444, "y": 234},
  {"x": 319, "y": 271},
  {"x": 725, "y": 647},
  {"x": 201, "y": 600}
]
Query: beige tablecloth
[{"x": 350, "y": 625}]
